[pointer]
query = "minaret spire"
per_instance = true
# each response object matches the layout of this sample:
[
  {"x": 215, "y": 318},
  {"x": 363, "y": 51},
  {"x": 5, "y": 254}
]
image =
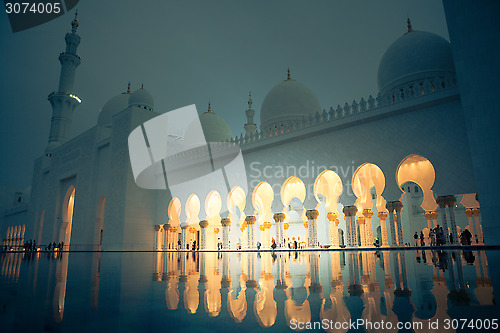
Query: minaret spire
[
  {"x": 408, "y": 22},
  {"x": 250, "y": 127},
  {"x": 64, "y": 101},
  {"x": 209, "y": 107},
  {"x": 288, "y": 74}
]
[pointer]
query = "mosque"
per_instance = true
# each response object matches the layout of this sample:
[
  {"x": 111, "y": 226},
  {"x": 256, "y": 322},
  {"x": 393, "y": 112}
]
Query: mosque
[{"x": 373, "y": 170}]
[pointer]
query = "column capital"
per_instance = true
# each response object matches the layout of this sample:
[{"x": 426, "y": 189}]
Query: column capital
[
  {"x": 250, "y": 219},
  {"x": 441, "y": 201},
  {"x": 225, "y": 222},
  {"x": 286, "y": 226},
  {"x": 279, "y": 217},
  {"x": 158, "y": 227},
  {"x": 267, "y": 225},
  {"x": 350, "y": 210},
  {"x": 428, "y": 215},
  {"x": 204, "y": 224},
  {"x": 398, "y": 205},
  {"x": 368, "y": 213},
  {"x": 434, "y": 214},
  {"x": 382, "y": 215},
  {"x": 450, "y": 200},
  {"x": 361, "y": 220},
  {"x": 331, "y": 216},
  {"x": 476, "y": 211},
  {"x": 184, "y": 227},
  {"x": 390, "y": 206},
  {"x": 468, "y": 212},
  {"x": 312, "y": 214},
  {"x": 306, "y": 224}
]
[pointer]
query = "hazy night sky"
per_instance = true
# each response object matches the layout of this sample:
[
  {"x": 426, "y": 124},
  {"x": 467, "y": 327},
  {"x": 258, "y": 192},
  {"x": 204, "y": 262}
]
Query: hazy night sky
[{"x": 187, "y": 52}]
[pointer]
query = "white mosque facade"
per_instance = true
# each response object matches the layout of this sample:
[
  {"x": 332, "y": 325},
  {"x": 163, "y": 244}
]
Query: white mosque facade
[{"x": 378, "y": 168}]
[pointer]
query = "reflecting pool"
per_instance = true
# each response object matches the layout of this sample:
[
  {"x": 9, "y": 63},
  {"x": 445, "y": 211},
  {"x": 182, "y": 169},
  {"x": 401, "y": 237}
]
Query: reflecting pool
[{"x": 333, "y": 291}]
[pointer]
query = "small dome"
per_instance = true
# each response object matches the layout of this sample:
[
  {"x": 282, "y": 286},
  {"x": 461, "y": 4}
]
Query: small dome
[
  {"x": 215, "y": 128},
  {"x": 142, "y": 98},
  {"x": 288, "y": 100},
  {"x": 414, "y": 56},
  {"x": 112, "y": 107}
]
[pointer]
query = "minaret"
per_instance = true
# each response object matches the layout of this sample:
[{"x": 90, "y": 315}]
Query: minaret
[
  {"x": 250, "y": 127},
  {"x": 63, "y": 100}
]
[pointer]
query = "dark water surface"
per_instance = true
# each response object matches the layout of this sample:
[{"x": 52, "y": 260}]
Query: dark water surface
[{"x": 367, "y": 291}]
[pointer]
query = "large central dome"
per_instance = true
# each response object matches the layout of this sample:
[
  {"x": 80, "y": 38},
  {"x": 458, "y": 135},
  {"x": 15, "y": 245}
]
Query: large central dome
[
  {"x": 288, "y": 100},
  {"x": 414, "y": 56}
]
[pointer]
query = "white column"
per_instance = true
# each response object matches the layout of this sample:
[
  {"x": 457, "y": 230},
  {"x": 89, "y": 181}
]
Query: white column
[
  {"x": 278, "y": 223},
  {"x": 226, "y": 223},
  {"x": 362, "y": 230},
  {"x": 468, "y": 212},
  {"x": 392, "y": 224},
  {"x": 368, "y": 213},
  {"x": 450, "y": 202},
  {"x": 334, "y": 232},
  {"x": 383, "y": 229},
  {"x": 250, "y": 220},
  {"x": 203, "y": 234},
  {"x": 398, "y": 205},
  {"x": 312, "y": 215},
  {"x": 166, "y": 240},
  {"x": 184, "y": 237},
  {"x": 441, "y": 201},
  {"x": 475, "y": 213}
]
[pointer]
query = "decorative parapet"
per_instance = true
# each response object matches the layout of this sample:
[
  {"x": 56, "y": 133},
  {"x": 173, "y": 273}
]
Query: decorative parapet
[{"x": 410, "y": 91}]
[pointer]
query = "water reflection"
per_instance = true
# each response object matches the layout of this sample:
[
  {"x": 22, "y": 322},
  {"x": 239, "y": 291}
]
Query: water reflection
[{"x": 260, "y": 289}]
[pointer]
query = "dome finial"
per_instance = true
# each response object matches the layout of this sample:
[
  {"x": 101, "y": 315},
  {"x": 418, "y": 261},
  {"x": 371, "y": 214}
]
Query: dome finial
[
  {"x": 410, "y": 29},
  {"x": 128, "y": 88},
  {"x": 209, "y": 107},
  {"x": 142, "y": 85},
  {"x": 288, "y": 75},
  {"x": 74, "y": 23},
  {"x": 250, "y": 100}
]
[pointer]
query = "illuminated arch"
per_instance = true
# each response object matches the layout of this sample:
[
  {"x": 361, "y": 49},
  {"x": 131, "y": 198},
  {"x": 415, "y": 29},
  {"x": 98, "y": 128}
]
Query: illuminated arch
[
  {"x": 366, "y": 177},
  {"x": 328, "y": 184},
  {"x": 213, "y": 204},
  {"x": 174, "y": 212},
  {"x": 293, "y": 187},
  {"x": 67, "y": 216},
  {"x": 262, "y": 199},
  {"x": 418, "y": 169},
  {"x": 236, "y": 198},
  {"x": 192, "y": 209}
]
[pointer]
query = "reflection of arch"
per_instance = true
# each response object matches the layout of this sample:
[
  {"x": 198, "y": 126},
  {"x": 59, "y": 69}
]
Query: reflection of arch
[
  {"x": 418, "y": 169},
  {"x": 213, "y": 204},
  {"x": 192, "y": 209},
  {"x": 328, "y": 184},
  {"x": 99, "y": 222},
  {"x": 67, "y": 216},
  {"x": 262, "y": 199},
  {"x": 174, "y": 212},
  {"x": 367, "y": 176}
]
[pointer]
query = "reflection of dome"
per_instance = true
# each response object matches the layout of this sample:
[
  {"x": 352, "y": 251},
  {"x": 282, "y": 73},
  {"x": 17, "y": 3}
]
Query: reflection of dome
[
  {"x": 414, "y": 56},
  {"x": 214, "y": 127},
  {"x": 112, "y": 107},
  {"x": 142, "y": 98},
  {"x": 286, "y": 101}
]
